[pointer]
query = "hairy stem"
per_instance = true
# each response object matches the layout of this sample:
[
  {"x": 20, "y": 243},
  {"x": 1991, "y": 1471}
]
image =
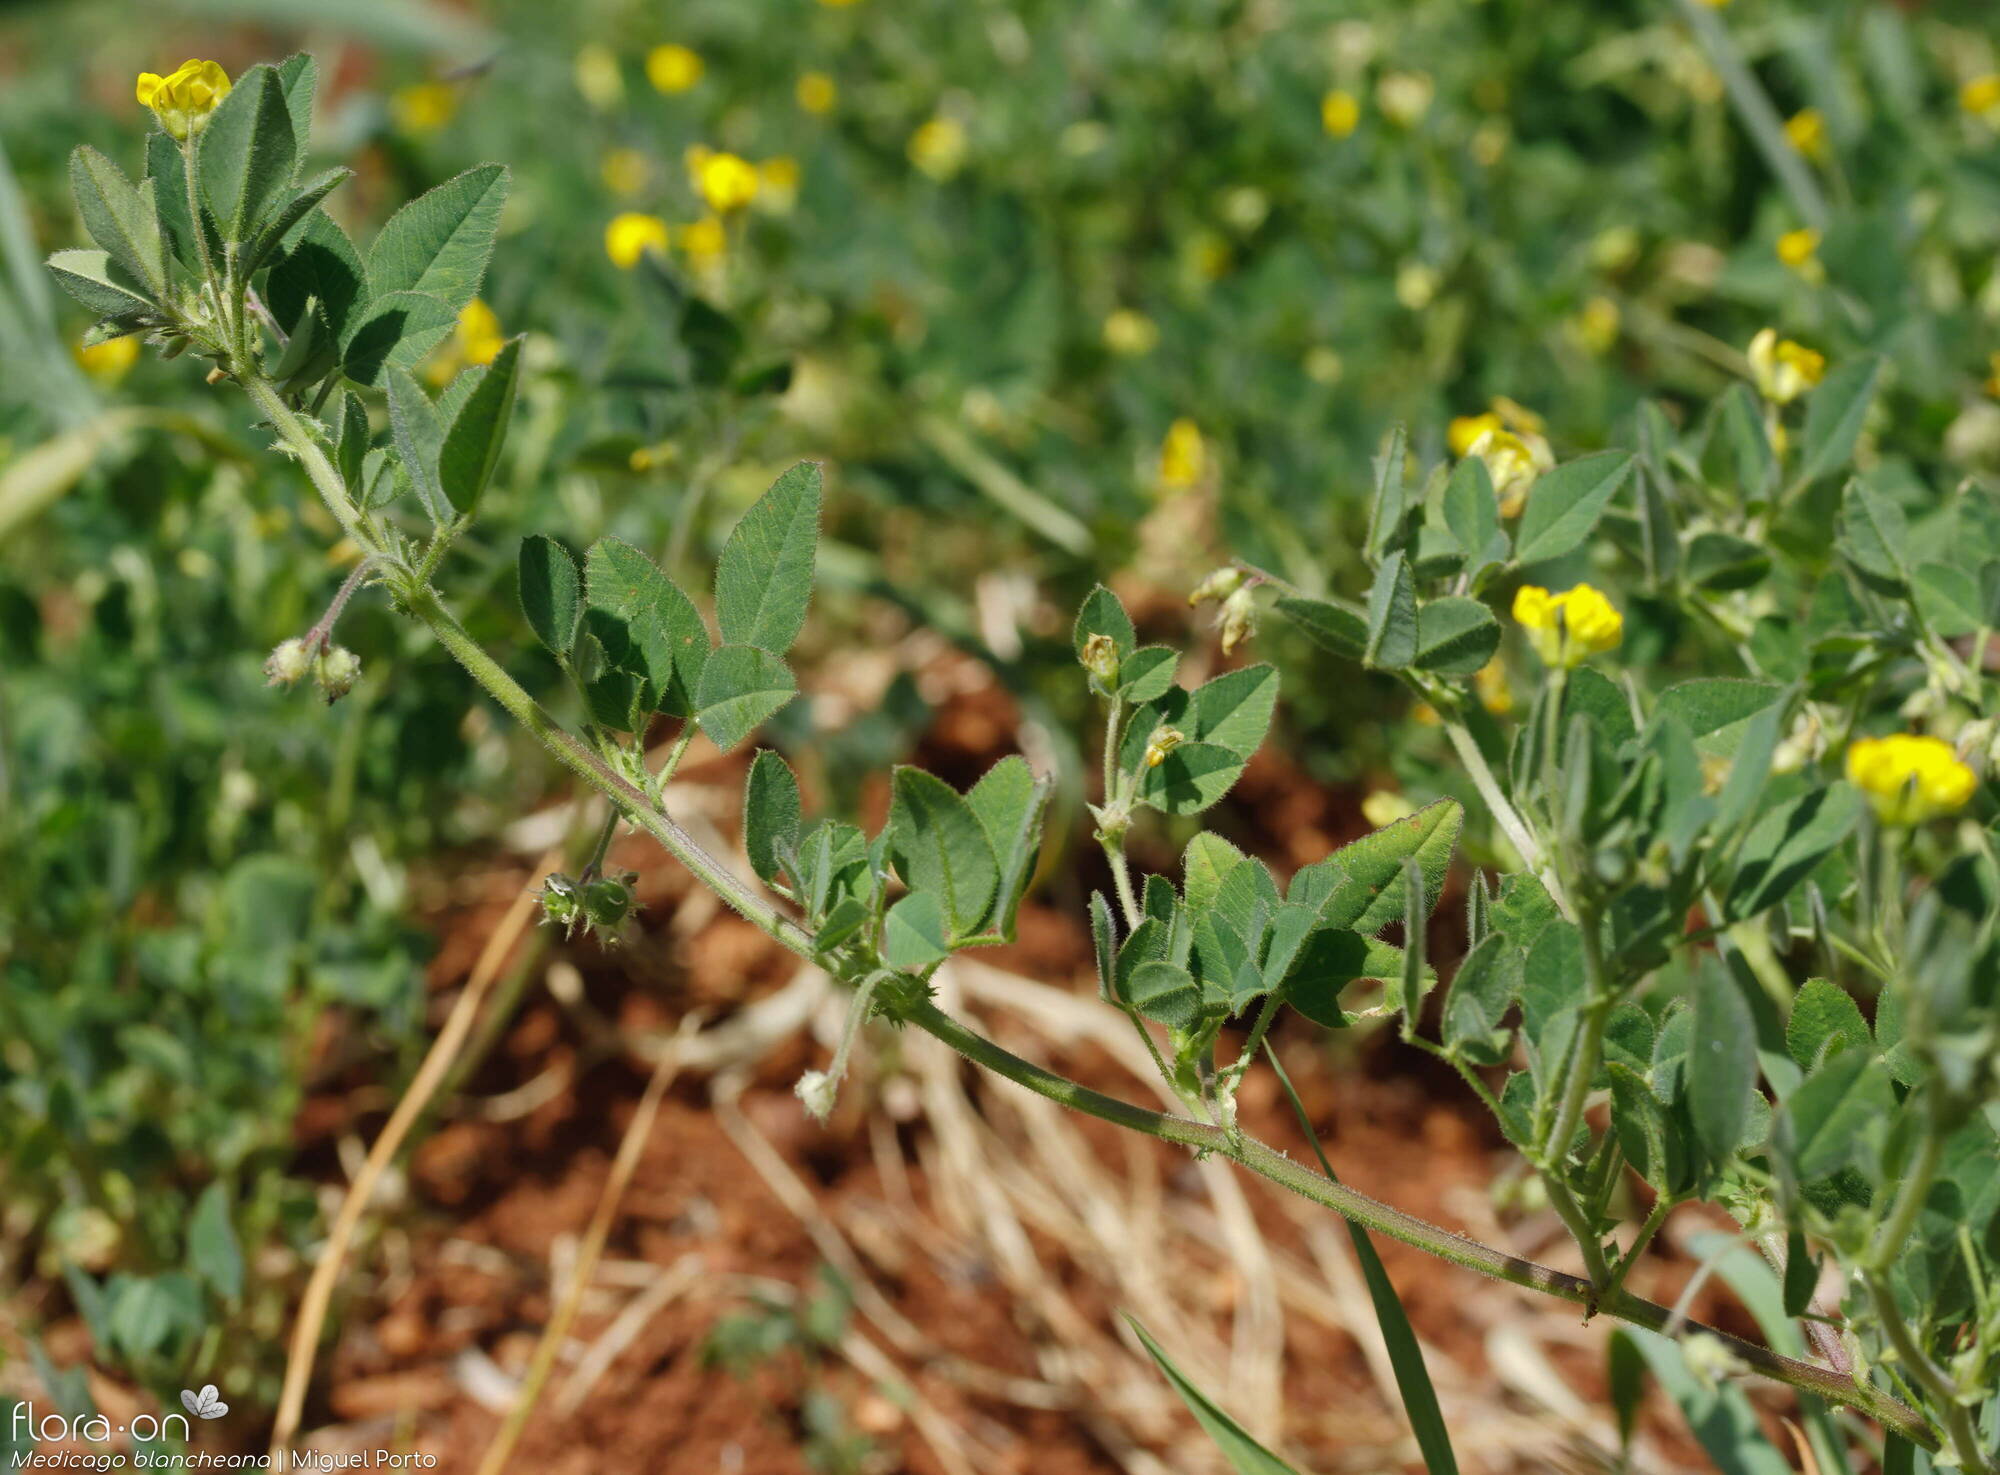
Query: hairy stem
[
  {"x": 1958, "y": 1421},
  {"x": 1508, "y": 817},
  {"x": 1358, "y": 1208}
]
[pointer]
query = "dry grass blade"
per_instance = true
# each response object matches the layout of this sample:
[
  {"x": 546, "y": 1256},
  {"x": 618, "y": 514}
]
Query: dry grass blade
[
  {"x": 622, "y": 1166},
  {"x": 409, "y": 1110}
]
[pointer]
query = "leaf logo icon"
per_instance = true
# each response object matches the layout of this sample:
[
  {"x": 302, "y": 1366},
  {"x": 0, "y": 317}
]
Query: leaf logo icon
[{"x": 206, "y": 1404}]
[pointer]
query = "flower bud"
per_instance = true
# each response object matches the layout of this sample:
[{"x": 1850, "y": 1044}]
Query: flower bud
[
  {"x": 1239, "y": 619},
  {"x": 818, "y": 1091},
  {"x": 1100, "y": 659},
  {"x": 1218, "y": 585},
  {"x": 288, "y": 663},
  {"x": 1163, "y": 742},
  {"x": 336, "y": 671}
]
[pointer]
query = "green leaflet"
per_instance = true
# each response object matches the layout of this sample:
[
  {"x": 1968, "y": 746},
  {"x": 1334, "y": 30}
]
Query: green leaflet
[
  {"x": 120, "y": 217},
  {"x": 764, "y": 580},
  {"x": 913, "y": 930},
  {"x": 551, "y": 592},
  {"x": 772, "y": 814},
  {"x": 437, "y": 245},
  {"x": 741, "y": 686},
  {"x": 476, "y": 432},
  {"x": 652, "y": 635},
  {"x": 1565, "y": 505},
  {"x": 939, "y": 846},
  {"x": 246, "y": 155}
]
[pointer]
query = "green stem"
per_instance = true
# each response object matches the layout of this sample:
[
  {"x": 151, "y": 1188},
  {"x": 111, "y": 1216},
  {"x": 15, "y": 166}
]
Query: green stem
[
  {"x": 1895, "y": 1230},
  {"x": 1662, "y": 1206},
  {"x": 1358, "y": 1208},
  {"x": 1509, "y": 818},
  {"x": 1958, "y": 1421},
  {"x": 1589, "y": 1045},
  {"x": 1760, "y": 119}
]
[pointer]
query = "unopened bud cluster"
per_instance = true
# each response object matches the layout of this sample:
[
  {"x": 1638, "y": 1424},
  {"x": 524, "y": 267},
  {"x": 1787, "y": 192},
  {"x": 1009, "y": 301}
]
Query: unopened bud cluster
[{"x": 333, "y": 668}]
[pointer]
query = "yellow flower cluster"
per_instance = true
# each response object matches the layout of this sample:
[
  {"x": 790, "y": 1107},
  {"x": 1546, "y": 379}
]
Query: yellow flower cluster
[
  {"x": 1799, "y": 250},
  {"x": 1339, "y": 113},
  {"x": 724, "y": 180},
  {"x": 110, "y": 360},
  {"x": 673, "y": 68},
  {"x": 1981, "y": 98},
  {"x": 476, "y": 340},
  {"x": 1783, "y": 370},
  {"x": 1909, "y": 779},
  {"x": 1595, "y": 327},
  {"x": 1183, "y": 456},
  {"x": 1807, "y": 131},
  {"x": 1130, "y": 333},
  {"x": 1508, "y": 438},
  {"x": 423, "y": 107},
  {"x": 1569, "y": 627},
  {"x": 183, "y": 99},
  {"x": 939, "y": 147},
  {"x": 631, "y": 235},
  {"x": 817, "y": 93}
]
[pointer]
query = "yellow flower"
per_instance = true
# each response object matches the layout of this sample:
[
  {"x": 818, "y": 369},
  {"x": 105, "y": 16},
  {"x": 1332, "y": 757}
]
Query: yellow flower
[
  {"x": 725, "y": 181},
  {"x": 1163, "y": 742},
  {"x": 1798, "y": 248},
  {"x": 1716, "y": 4},
  {"x": 110, "y": 360},
  {"x": 704, "y": 241},
  {"x": 1517, "y": 416},
  {"x": 1130, "y": 333},
  {"x": 1909, "y": 779},
  {"x": 1339, "y": 113},
  {"x": 1514, "y": 462},
  {"x": 1596, "y": 325},
  {"x": 1569, "y": 627},
  {"x": 1783, "y": 370},
  {"x": 778, "y": 184},
  {"x": 673, "y": 68},
  {"x": 1417, "y": 283},
  {"x": 423, "y": 107},
  {"x": 1324, "y": 365},
  {"x": 183, "y": 99},
  {"x": 1807, "y": 131},
  {"x": 1385, "y": 807},
  {"x": 836, "y": 4},
  {"x": 1466, "y": 429},
  {"x": 1183, "y": 455},
  {"x": 1495, "y": 695},
  {"x": 1404, "y": 97},
  {"x": 938, "y": 147},
  {"x": 816, "y": 93},
  {"x": 599, "y": 77},
  {"x": 630, "y": 236},
  {"x": 476, "y": 340},
  {"x": 1993, "y": 377},
  {"x": 623, "y": 171},
  {"x": 1981, "y": 98}
]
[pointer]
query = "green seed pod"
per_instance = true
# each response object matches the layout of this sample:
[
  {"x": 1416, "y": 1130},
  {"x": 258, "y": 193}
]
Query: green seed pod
[
  {"x": 607, "y": 901},
  {"x": 562, "y": 900}
]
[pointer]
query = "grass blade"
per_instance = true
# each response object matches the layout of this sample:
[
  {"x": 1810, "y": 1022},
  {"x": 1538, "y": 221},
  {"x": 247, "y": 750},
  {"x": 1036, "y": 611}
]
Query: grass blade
[
  {"x": 1245, "y": 1455},
  {"x": 1413, "y": 1379}
]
